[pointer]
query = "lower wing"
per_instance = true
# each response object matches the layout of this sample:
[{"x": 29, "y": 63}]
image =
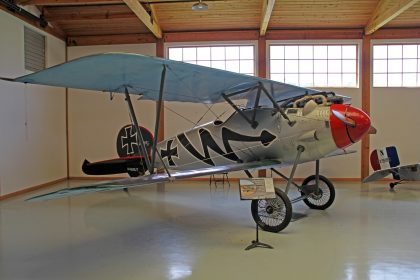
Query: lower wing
[
  {"x": 154, "y": 178},
  {"x": 339, "y": 152}
]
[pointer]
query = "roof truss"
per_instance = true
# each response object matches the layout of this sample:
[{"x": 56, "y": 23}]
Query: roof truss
[
  {"x": 267, "y": 9},
  {"x": 144, "y": 16},
  {"x": 385, "y": 11}
]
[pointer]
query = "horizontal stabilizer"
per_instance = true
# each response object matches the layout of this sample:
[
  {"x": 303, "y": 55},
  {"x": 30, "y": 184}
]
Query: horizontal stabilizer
[
  {"x": 409, "y": 172},
  {"x": 377, "y": 175},
  {"x": 155, "y": 178},
  {"x": 114, "y": 166}
]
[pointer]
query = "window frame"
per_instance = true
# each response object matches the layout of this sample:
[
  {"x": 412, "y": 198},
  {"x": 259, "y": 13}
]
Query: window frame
[
  {"x": 254, "y": 44},
  {"x": 313, "y": 43},
  {"x": 394, "y": 43}
]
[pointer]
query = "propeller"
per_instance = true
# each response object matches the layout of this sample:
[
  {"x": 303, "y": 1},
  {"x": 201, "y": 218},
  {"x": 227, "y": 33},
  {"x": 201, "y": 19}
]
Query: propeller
[{"x": 344, "y": 119}]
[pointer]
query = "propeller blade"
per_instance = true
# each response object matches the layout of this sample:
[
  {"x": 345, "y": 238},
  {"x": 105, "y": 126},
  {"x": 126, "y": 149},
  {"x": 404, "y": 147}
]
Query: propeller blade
[
  {"x": 372, "y": 130},
  {"x": 344, "y": 119}
]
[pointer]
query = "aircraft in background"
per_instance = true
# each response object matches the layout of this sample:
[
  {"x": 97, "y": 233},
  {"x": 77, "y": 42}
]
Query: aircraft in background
[
  {"x": 386, "y": 162},
  {"x": 281, "y": 125}
]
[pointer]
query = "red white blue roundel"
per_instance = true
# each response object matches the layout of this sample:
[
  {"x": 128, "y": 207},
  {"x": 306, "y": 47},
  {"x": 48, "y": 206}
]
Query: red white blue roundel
[{"x": 384, "y": 158}]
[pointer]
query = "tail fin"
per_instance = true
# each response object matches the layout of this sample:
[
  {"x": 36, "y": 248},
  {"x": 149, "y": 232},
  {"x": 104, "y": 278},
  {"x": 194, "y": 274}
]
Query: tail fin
[
  {"x": 127, "y": 140},
  {"x": 384, "y": 158}
]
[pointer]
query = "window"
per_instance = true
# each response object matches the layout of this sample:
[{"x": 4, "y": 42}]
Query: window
[
  {"x": 239, "y": 59},
  {"x": 396, "y": 65},
  {"x": 314, "y": 65},
  {"x": 34, "y": 50}
]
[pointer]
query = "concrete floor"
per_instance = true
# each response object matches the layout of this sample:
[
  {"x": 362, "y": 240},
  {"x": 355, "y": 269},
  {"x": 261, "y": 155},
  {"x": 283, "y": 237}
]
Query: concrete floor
[{"x": 190, "y": 232}]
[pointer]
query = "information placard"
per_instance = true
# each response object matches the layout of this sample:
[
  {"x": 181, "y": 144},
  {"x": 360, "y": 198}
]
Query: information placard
[{"x": 256, "y": 188}]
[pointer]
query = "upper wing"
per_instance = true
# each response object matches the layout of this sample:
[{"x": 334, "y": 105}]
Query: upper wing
[
  {"x": 113, "y": 72},
  {"x": 155, "y": 178},
  {"x": 406, "y": 172}
]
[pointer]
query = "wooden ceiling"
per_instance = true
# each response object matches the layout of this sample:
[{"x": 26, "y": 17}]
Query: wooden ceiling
[{"x": 118, "y": 17}]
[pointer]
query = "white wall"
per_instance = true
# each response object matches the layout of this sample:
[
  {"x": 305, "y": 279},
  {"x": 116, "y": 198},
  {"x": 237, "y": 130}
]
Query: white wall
[
  {"x": 95, "y": 120},
  {"x": 395, "y": 115},
  {"x": 395, "y": 112},
  {"x": 32, "y": 118}
]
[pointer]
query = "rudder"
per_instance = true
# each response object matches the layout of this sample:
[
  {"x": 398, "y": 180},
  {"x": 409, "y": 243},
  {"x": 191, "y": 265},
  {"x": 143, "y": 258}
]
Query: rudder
[{"x": 384, "y": 158}]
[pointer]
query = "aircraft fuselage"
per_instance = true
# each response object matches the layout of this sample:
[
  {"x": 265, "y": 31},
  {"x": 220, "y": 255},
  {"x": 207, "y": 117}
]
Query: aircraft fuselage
[{"x": 220, "y": 143}]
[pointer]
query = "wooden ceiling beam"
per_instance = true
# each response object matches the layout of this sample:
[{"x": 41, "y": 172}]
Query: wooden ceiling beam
[
  {"x": 314, "y": 34},
  {"x": 153, "y": 14},
  {"x": 66, "y": 2},
  {"x": 385, "y": 11},
  {"x": 76, "y": 16},
  {"x": 110, "y": 39},
  {"x": 52, "y": 29},
  {"x": 396, "y": 33},
  {"x": 144, "y": 17},
  {"x": 267, "y": 9},
  {"x": 211, "y": 36}
]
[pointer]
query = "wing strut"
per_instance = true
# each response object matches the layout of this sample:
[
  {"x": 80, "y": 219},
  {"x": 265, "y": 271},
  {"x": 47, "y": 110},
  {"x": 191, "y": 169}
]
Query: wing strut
[
  {"x": 157, "y": 124},
  {"x": 158, "y": 109},
  {"x": 140, "y": 140},
  {"x": 260, "y": 88},
  {"x": 280, "y": 110}
]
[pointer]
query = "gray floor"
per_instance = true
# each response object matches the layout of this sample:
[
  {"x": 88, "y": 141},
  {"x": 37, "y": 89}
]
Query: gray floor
[{"x": 191, "y": 231}]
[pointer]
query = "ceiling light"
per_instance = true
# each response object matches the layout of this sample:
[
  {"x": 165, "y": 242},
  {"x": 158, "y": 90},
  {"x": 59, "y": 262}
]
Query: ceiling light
[{"x": 200, "y": 6}]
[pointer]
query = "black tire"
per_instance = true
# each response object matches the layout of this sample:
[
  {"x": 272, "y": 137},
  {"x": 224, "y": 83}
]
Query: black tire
[
  {"x": 325, "y": 196},
  {"x": 274, "y": 214}
]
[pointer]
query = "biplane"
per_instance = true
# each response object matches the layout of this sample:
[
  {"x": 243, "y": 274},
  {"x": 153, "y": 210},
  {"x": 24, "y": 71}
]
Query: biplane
[
  {"x": 386, "y": 162},
  {"x": 280, "y": 125}
]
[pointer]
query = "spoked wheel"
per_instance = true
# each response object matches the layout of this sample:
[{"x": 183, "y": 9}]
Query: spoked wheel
[
  {"x": 324, "y": 197},
  {"x": 272, "y": 214}
]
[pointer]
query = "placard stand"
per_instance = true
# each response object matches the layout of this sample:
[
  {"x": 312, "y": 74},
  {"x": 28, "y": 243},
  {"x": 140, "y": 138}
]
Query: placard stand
[{"x": 256, "y": 243}]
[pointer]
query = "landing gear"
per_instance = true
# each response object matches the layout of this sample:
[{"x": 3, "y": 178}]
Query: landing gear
[
  {"x": 316, "y": 191},
  {"x": 323, "y": 194},
  {"x": 393, "y": 184},
  {"x": 274, "y": 214}
]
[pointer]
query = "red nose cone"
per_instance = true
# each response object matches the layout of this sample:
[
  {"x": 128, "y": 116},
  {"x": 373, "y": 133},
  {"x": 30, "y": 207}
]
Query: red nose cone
[{"x": 347, "y": 133}]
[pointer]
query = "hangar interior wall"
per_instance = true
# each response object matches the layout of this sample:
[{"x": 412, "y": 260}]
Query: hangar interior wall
[
  {"x": 395, "y": 114},
  {"x": 95, "y": 120},
  {"x": 32, "y": 118}
]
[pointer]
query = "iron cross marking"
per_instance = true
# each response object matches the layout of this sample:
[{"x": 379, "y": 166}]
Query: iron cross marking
[
  {"x": 129, "y": 140},
  {"x": 170, "y": 152}
]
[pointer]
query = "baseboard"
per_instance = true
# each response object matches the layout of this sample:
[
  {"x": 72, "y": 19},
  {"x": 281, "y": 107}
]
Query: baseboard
[
  {"x": 31, "y": 189},
  {"x": 95, "y": 178}
]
